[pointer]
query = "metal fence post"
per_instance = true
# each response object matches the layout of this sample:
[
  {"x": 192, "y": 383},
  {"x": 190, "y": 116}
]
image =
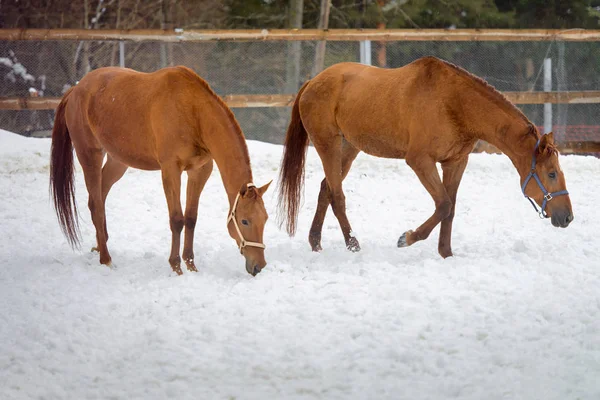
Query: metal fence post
[
  {"x": 365, "y": 52},
  {"x": 122, "y": 54},
  {"x": 547, "y": 88}
]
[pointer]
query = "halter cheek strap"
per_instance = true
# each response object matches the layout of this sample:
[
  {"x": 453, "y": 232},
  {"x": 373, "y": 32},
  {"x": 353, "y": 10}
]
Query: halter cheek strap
[
  {"x": 547, "y": 195},
  {"x": 243, "y": 243}
]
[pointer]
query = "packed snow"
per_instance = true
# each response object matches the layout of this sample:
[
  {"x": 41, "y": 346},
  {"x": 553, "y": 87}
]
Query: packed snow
[{"x": 515, "y": 314}]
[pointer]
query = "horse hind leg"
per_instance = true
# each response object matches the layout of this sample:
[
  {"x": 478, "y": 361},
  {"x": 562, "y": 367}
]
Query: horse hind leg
[
  {"x": 349, "y": 154},
  {"x": 91, "y": 164},
  {"x": 427, "y": 173},
  {"x": 330, "y": 152},
  {"x": 112, "y": 171},
  {"x": 196, "y": 180}
]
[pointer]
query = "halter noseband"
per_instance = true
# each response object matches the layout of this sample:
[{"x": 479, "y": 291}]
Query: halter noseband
[
  {"x": 243, "y": 243},
  {"x": 547, "y": 196}
]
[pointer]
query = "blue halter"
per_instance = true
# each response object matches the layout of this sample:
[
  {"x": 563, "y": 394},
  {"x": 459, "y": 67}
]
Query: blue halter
[{"x": 547, "y": 196}]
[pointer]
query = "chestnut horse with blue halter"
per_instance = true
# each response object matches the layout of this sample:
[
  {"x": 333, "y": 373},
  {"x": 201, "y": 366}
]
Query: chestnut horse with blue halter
[
  {"x": 427, "y": 112},
  {"x": 169, "y": 120}
]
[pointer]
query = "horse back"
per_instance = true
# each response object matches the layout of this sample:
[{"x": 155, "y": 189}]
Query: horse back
[
  {"x": 384, "y": 112},
  {"x": 140, "y": 118}
]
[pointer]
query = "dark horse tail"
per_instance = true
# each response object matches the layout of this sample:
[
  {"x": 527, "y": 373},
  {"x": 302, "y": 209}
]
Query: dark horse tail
[
  {"x": 291, "y": 175},
  {"x": 62, "y": 185}
]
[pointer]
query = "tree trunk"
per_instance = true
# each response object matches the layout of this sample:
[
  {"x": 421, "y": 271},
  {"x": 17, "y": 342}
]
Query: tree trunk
[
  {"x": 167, "y": 23},
  {"x": 294, "y": 49},
  {"x": 323, "y": 24},
  {"x": 381, "y": 46},
  {"x": 115, "y": 50},
  {"x": 85, "y": 58}
]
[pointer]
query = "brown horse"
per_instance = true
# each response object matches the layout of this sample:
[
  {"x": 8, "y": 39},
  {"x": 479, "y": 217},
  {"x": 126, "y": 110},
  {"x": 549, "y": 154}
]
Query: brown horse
[
  {"x": 171, "y": 121},
  {"x": 426, "y": 112}
]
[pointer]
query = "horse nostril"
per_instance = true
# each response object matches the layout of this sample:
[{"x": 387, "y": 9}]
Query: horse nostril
[{"x": 569, "y": 218}]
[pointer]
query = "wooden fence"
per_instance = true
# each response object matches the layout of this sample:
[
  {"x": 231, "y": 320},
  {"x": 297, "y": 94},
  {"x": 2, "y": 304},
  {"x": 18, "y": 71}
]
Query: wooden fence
[
  {"x": 285, "y": 100},
  {"x": 200, "y": 35}
]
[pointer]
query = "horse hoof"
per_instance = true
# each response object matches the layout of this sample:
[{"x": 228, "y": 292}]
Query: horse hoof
[
  {"x": 192, "y": 268},
  {"x": 189, "y": 263},
  {"x": 402, "y": 241},
  {"x": 314, "y": 239},
  {"x": 177, "y": 270},
  {"x": 353, "y": 245},
  {"x": 446, "y": 253},
  {"x": 94, "y": 250},
  {"x": 107, "y": 262}
]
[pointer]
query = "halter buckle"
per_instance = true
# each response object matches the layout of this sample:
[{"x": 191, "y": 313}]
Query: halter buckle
[{"x": 548, "y": 197}]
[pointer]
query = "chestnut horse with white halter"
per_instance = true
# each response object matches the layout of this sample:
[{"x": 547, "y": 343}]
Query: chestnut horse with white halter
[
  {"x": 426, "y": 112},
  {"x": 169, "y": 120}
]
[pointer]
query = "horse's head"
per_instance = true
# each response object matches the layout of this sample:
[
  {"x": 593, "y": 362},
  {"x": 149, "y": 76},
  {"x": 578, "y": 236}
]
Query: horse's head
[
  {"x": 546, "y": 185},
  {"x": 246, "y": 224}
]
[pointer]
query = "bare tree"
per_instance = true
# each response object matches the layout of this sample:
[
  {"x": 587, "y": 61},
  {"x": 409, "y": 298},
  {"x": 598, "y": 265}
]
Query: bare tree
[
  {"x": 167, "y": 23},
  {"x": 294, "y": 48},
  {"x": 381, "y": 50},
  {"x": 323, "y": 24}
]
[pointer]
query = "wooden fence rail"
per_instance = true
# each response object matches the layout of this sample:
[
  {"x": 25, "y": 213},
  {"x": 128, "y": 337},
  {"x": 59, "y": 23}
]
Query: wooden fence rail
[
  {"x": 202, "y": 35},
  {"x": 286, "y": 100}
]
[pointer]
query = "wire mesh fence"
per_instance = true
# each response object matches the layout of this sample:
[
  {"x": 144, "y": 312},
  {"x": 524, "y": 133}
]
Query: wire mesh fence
[{"x": 49, "y": 68}]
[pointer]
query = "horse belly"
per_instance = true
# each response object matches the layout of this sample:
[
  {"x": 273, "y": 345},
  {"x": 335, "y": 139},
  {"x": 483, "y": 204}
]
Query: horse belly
[
  {"x": 130, "y": 150},
  {"x": 373, "y": 127},
  {"x": 377, "y": 143}
]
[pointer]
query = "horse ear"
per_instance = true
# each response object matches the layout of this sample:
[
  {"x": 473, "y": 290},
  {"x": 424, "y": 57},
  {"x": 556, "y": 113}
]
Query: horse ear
[
  {"x": 246, "y": 192},
  {"x": 263, "y": 189},
  {"x": 547, "y": 139}
]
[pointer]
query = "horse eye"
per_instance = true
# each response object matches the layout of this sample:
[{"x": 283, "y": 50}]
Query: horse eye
[
  {"x": 245, "y": 222},
  {"x": 552, "y": 175}
]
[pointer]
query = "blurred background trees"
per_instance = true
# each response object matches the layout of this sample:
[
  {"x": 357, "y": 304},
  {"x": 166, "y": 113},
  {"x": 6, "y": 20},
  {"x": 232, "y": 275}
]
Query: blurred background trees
[{"x": 245, "y": 14}]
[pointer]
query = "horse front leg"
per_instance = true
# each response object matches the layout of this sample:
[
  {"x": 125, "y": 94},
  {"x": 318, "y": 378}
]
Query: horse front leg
[
  {"x": 171, "y": 177},
  {"x": 453, "y": 172},
  {"x": 427, "y": 173},
  {"x": 196, "y": 180}
]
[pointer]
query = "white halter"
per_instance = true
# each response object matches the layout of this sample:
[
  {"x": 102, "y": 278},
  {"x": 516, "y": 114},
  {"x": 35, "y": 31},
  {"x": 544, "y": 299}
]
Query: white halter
[{"x": 243, "y": 243}]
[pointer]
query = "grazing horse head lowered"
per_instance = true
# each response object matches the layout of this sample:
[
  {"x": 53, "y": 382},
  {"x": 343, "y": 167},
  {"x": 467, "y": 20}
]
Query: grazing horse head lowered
[
  {"x": 247, "y": 220},
  {"x": 169, "y": 120}
]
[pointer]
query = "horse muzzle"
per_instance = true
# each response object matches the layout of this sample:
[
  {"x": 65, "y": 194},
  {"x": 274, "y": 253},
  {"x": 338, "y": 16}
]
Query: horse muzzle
[
  {"x": 253, "y": 267},
  {"x": 561, "y": 219}
]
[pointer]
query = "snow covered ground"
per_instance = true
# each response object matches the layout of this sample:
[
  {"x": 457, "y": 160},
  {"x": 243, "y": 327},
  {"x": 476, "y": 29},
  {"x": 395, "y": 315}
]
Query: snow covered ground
[{"x": 514, "y": 315}]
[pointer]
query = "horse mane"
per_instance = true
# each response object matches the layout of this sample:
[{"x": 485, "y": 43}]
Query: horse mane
[
  {"x": 236, "y": 126},
  {"x": 491, "y": 91}
]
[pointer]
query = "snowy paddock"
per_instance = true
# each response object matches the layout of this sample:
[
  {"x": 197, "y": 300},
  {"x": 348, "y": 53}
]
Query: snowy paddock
[{"x": 514, "y": 315}]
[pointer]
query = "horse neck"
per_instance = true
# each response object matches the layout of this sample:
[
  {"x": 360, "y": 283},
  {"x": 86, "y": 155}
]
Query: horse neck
[
  {"x": 508, "y": 130},
  {"x": 227, "y": 146}
]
